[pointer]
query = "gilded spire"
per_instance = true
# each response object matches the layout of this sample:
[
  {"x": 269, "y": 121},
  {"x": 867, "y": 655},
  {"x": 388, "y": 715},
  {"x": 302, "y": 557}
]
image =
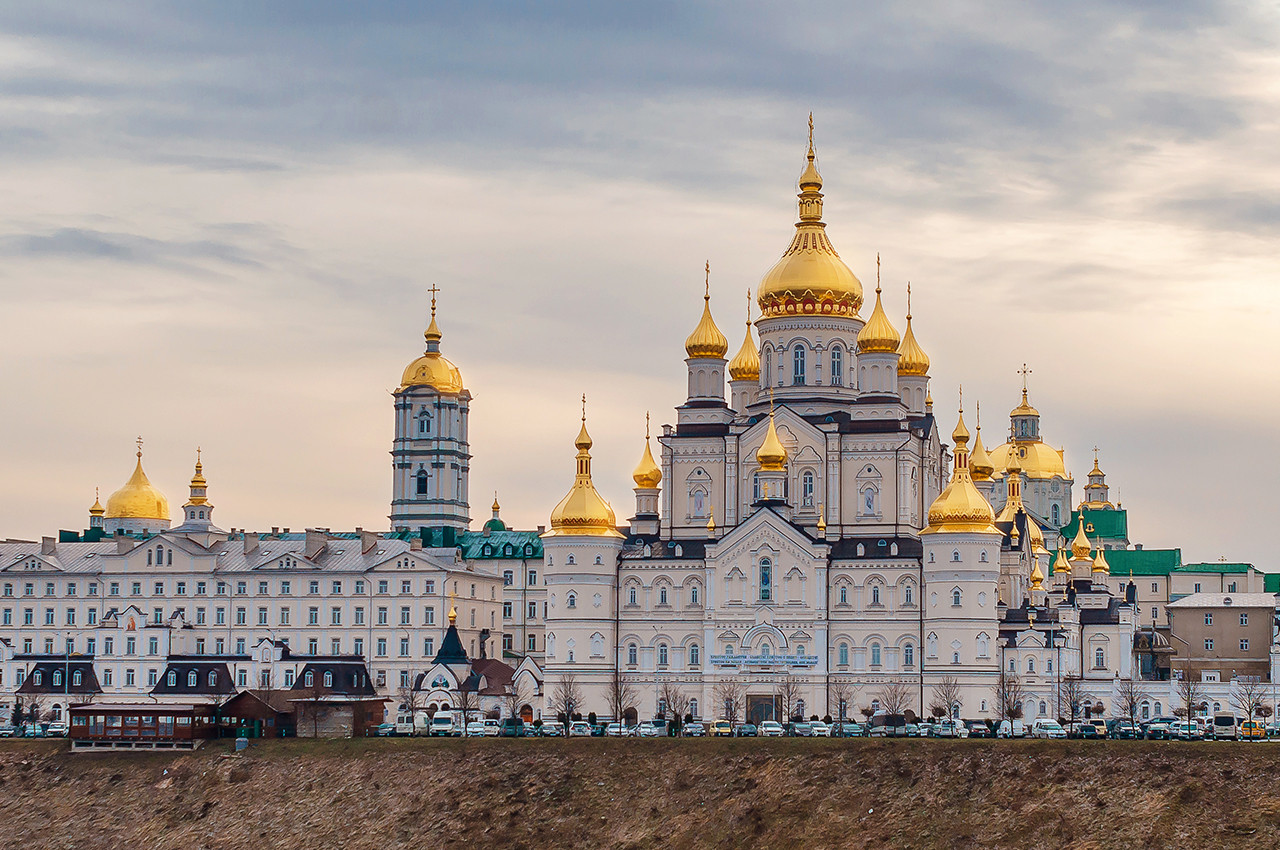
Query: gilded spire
[
  {"x": 198, "y": 484},
  {"x": 912, "y": 361},
  {"x": 647, "y": 475},
  {"x": 706, "y": 339},
  {"x": 1025, "y": 408},
  {"x": 138, "y": 498},
  {"x": 745, "y": 365},
  {"x": 822, "y": 519},
  {"x": 711, "y": 523},
  {"x": 1037, "y": 575},
  {"x": 961, "y": 507},
  {"x": 583, "y": 512},
  {"x": 497, "y": 508},
  {"x": 453, "y": 609},
  {"x": 432, "y": 369},
  {"x": 878, "y": 334},
  {"x": 432, "y": 333},
  {"x": 980, "y": 466},
  {"x": 811, "y": 180},
  {"x": 1060, "y": 565}
]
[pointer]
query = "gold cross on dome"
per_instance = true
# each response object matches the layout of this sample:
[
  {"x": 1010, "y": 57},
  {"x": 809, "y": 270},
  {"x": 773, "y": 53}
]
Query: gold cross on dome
[
  {"x": 1024, "y": 371},
  {"x": 707, "y": 294},
  {"x": 139, "y": 442},
  {"x": 433, "y": 290}
]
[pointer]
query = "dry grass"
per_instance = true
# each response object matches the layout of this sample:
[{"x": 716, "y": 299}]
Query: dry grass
[{"x": 634, "y": 794}]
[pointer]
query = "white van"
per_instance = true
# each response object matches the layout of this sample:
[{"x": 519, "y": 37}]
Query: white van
[
  {"x": 1011, "y": 729},
  {"x": 1045, "y": 728},
  {"x": 1226, "y": 726},
  {"x": 443, "y": 725}
]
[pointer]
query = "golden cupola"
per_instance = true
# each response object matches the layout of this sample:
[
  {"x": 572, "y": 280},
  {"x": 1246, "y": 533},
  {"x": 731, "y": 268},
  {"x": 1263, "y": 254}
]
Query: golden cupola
[
  {"x": 1100, "y": 564},
  {"x": 772, "y": 455},
  {"x": 647, "y": 474},
  {"x": 961, "y": 507},
  {"x": 745, "y": 365},
  {"x": 913, "y": 362},
  {"x": 878, "y": 335},
  {"x": 199, "y": 486},
  {"x": 980, "y": 467},
  {"x": 1060, "y": 565},
  {"x": 432, "y": 369},
  {"x": 583, "y": 512},
  {"x": 810, "y": 278},
  {"x": 138, "y": 498},
  {"x": 1037, "y": 576},
  {"x": 706, "y": 341},
  {"x": 97, "y": 509},
  {"x": 1081, "y": 549}
]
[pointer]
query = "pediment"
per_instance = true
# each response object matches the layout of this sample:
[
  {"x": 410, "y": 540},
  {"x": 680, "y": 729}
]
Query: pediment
[{"x": 32, "y": 563}]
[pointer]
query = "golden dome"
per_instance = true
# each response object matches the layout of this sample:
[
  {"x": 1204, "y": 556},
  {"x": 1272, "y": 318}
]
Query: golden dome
[
  {"x": 432, "y": 369},
  {"x": 1037, "y": 459},
  {"x": 745, "y": 365},
  {"x": 912, "y": 361},
  {"x": 583, "y": 512},
  {"x": 706, "y": 339},
  {"x": 496, "y": 507},
  {"x": 1060, "y": 565},
  {"x": 1037, "y": 576},
  {"x": 1100, "y": 564},
  {"x": 711, "y": 523},
  {"x": 138, "y": 499},
  {"x": 1024, "y": 409},
  {"x": 647, "y": 475},
  {"x": 97, "y": 509},
  {"x": 979, "y": 462},
  {"x": 1080, "y": 547},
  {"x": 772, "y": 455},
  {"x": 960, "y": 507},
  {"x": 878, "y": 334},
  {"x": 810, "y": 277}
]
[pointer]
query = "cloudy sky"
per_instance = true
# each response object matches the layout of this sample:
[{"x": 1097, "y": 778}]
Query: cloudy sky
[{"x": 218, "y": 224}]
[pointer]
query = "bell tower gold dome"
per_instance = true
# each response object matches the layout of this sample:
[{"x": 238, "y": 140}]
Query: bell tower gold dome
[
  {"x": 810, "y": 278},
  {"x": 432, "y": 369},
  {"x": 138, "y": 498}
]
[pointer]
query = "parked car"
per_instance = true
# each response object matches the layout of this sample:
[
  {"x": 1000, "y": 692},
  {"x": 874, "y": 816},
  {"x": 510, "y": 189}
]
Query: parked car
[
  {"x": 651, "y": 729},
  {"x": 1157, "y": 730},
  {"x": 722, "y": 729},
  {"x": 552, "y": 730},
  {"x": 1185, "y": 730},
  {"x": 800, "y": 730},
  {"x": 1011, "y": 729},
  {"x": 7, "y": 731},
  {"x": 1252, "y": 730},
  {"x": 694, "y": 730},
  {"x": 1083, "y": 730},
  {"x": 770, "y": 729},
  {"x": 511, "y": 727},
  {"x": 978, "y": 729},
  {"x": 818, "y": 729},
  {"x": 951, "y": 729},
  {"x": 579, "y": 729},
  {"x": 443, "y": 725},
  {"x": 1126, "y": 731},
  {"x": 385, "y": 730},
  {"x": 1046, "y": 728},
  {"x": 848, "y": 730},
  {"x": 475, "y": 729},
  {"x": 1273, "y": 730},
  {"x": 31, "y": 730},
  {"x": 745, "y": 730},
  {"x": 1225, "y": 726}
]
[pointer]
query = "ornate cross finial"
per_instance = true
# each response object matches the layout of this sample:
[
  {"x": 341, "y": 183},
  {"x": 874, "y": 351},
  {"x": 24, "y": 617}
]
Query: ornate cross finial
[
  {"x": 197, "y": 454},
  {"x": 139, "y": 441},
  {"x": 770, "y": 400},
  {"x": 584, "y": 408},
  {"x": 810, "y": 135},
  {"x": 748, "y": 306},
  {"x": 433, "y": 290},
  {"x": 646, "y": 425},
  {"x": 962, "y": 398},
  {"x": 908, "y": 300},
  {"x": 977, "y": 409},
  {"x": 707, "y": 294},
  {"x": 1024, "y": 371},
  {"x": 877, "y": 271}
]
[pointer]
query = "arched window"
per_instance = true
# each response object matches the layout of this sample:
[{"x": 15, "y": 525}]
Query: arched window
[
  {"x": 837, "y": 366},
  {"x": 1099, "y": 657},
  {"x": 309, "y": 680},
  {"x": 571, "y": 600},
  {"x": 908, "y": 655},
  {"x": 806, "y": 488},
  {"x": 766, "y": 374},
  {"x": 844, "y": 654},
  {"x": 328, "y": 679},
  {"x": 955, "y": 658},
  {"x": 37, "y": 676},
  {"x": 193, "y": 679},
  {"x": 599, "y": 560},
  {"x": 755, "y": 487},
  {"x": 213, "y": 678},
  {"x": 662, "y": 595},
  {"x": 695, "y": 656},
  {"x": 699, "y": 503},
  {"x": 766, "y": 580},
  {"x": 172, "y": 679},
  {"x": 631, "y": 596},
  {"x": 1043, "y": 708},
  {"x": 1146, "y": 711},
  {"x": 955, "y": 554},
  {"x": 875, "y": 594},
  {"x": 570, "y": 559},
  {"x": 955, "y": 597},
  {"x": 632, "y": 653},
  {"x": 908, "y": 595},
  {"x": 1158, "y": 711},
  {"x": 844, "y": 594},
  {"x": 766, "y": 649},
  {"x": 159, "y": 555},
  {"x": 421, "y": 482},
  {"x": 861, "y": 550},
  {"x": 982, "y": 557},
  {"x": 797, "y": 366},
  {"x": 662, "y": 655},
  {"x": 693, "y": 594},
  {"x": 57, "y": 678},
  {"x": 693, "y": 707},
  {"x": 1031, "y": 665},
  {"x": 875, "y": 655},
  {"x": 424, "y": 422},
  {"x": 1054, "y": 515}
]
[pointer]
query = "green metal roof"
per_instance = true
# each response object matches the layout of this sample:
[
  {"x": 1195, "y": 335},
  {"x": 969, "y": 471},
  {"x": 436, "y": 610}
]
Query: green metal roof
[
  {"x": 1110, "y": 525},
  {"x": 1271, "y": 582},
  {"x": 1215, "y": 567},
  {"x": 477, "y": 545},
  {"x": 1144, "y": 562}
]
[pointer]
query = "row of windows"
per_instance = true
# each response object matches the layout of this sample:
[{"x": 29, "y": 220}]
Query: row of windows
[
  {"x": 876, "y": 655},
  {"x": 800, "y": 366},
  {"x": 241, "y": 588},
  {"x": 1244, "y": 644},
  {"x": 664, "y": 655},
  {"x": 241, "y": 616},
  {"x": 1208, "y": 618}
]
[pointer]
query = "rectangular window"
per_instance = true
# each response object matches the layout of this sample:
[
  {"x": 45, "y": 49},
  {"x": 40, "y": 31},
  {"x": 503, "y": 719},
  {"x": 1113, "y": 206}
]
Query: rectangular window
[
  {"x": 108, "y": 645},
  {"x": 404, "y": 678},
  {"x": 335, "y": 646},
  {"x": 157, "y": 615},
  {"x": 404, "y": 647},
  {"x": 533, "y": 610},
  {"x": 182, "y": 588},
  {"x": 201, "y": 588},
  {"x": 284, "y": 616},
  {"x": 93, "y": 588},
  {"x": 358, "y": 647},
  {"x": 200, "y": 616},
  {"x": 152, "y": 677},
  {"x": 1244, "y": 619},
  {"x": 71, "y": 588},
  {"x": 429, "y": 586},
  {"x": 113, "y": 589},
  {"x": 263, "y": 588},
  {"x": 239, "y": 646},
  {"x": 129, "y": 678},
  {"x": 28, "y": 615},
  {"x": 48, "y": 616},
  {"x": 533, "y": 643},
  {"x": 220, "y": 616},
  {"x": 406, "y": 587},
  {"x": 7, "y": 617},
  {"x": 359, "y": 587},
  {"x": 382, "y": 586},
  {"x": 313, "y": 588},
  {"x": 242, "y": 678},
  {"x": 1244, "y": 644},
  {"x": 429, "y": 615},
  {"x": 1231, "y": 588},
  {"x": 242, "y": 587},
  {"x": 48, "y": 588},
  {"x": 507, "y": 643},
  {"x": 1155, "y": 614},
  {"x": 130, "y": 646},
  {"x": 153, "y": 646},
  {"x": 159, "y": 589},
  {"x": 428, "y": 647},
  {"x": 219, "y": 646},
  {"x": 382, "y": 616},
  {"x": 71, "y": 616},
  {"x": 404, "y": 616},
  {"x": 336, "y": 616},
  {"x": 241, "y": 617},
  {"x": 313, "y": 616},
  {"x": 1208, "y": 644},
  {"x": 285, "y": 588},
  {"x": 337, "y": 588},
  {"x": 1197, "y": 587},
  {"x": 29, "y": 589},
  {"x": 506, "y": 610},
  {"x": 533, "y": 577},
  {"x": 107, "y": 678},
  {"x": 1155, "y": 587},
  {"x": 359, "y": 615},
  {"x": 288, "y": 678},
  {"x": 135, "y": 589},
  {"x": 93, "y": 616},
  {"x": 199, "y": 646},
  {"x": 220, "y": 589},
  {"x": 382, "y": 647},
  {"x": 1208, "y": 619},
  {"x": 262, "y": 616},
  {"x": 91, "y": 646}
]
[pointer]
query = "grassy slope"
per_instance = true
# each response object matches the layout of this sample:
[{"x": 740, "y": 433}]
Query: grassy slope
[{"x": 595, "y": 793}]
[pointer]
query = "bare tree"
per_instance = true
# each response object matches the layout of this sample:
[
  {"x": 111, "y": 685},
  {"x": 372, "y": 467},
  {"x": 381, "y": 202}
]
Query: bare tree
[
  {"x": 1130, "y": 698},
  {"x": 515, "y": 698},
  {"x": 621, "y": 697},
  {"x": 466, "y": 702},
  {"x": 788, "y": 697},
  {"x": 946, "y": 696},
  {"x": 1189, "y": 693},
  {"x": 309, "y": 701},
  {"x": 411, "y": 701},
  {"x": 1072, "y": 699},
  {"x": 843, "y": 694},
  {"x": 675, "y": 703},
  {"x": 895, "y": 697},
  {"x": 1247, "y": 693},
  {"x": 566, "y": 699},
  {"x": 730, "y": 697},
  {"x": 1009, "y": 693}
]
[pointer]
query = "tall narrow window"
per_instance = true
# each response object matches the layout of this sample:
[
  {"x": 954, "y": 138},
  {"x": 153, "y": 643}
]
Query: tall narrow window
[
  {"x": 875, "y": 594},
  {"x": 766, "y": 374},
  {"x": 908, "y": 655},
  {"x": 632, "y": 652},
  {"x": 875, "y": 655},
  {"x": 798, "y": 366},
  {"x": 766, "y": 580},
  {"x": 837, "y": 367},
  {"x": 844, "y": 655},
  {"x": 806, "y": 489},
  {"x": 662, "y": 655},
  {"x": 422, "y": 482}
]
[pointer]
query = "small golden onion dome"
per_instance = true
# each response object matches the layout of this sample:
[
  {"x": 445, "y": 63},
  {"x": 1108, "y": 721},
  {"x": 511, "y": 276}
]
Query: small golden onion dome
[
  {"x": 711, "y": 523},
  {"x": 1037, "y": 459},
  {"x": 822, "y": 519},
  {"x": 772, "y": 455},
  {"x": 960, "y": 507},
  {"x": 912, "y": 361},
  {"x": 583, "y": 511},
  {"x": 878, "y": 334},
  {"x": 980, "y": 462},
  {"x": 137, "y": 499},
  {"x": 432, "y": 369},
  {"x": 97, "y": 509},
  {"x": 453, "y": 614},
  {"x": 1060, "y": 565},
  {"x": 496, "y": 507},
  {"x": 1080, "y": 546},
  {"x": 1100, "y": 564},
  {"x": 647, "y": 475},
  {"x": 810, "y": 278},
  {"x": 745, "y": 365},
  {"x": 1037, "y": 576},
  {"x": 198, "y": 484},
  {"x": 1024, "y": 409},
  {"x": 706, "y": 339}
]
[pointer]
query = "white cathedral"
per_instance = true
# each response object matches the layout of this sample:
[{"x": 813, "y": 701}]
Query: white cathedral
[{"x": 807, "y": 541}]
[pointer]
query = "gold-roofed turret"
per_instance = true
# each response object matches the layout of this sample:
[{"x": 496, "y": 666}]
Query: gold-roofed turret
[
  {"x": 1081, "y": 550},
  {"x": 1100, "y": 564},
  {"x": 432, "y": 369},
  {"x": 745, "y": 365},
  {"x": 961, "y": 507},
  {"x": 97, "y": 509},
  {"x": 706, "y": 339},
  {"x": 772, "y": 455},
  {"x": 878, "y": 334},
  {"x": 1060, "y": 565},
  {"x": 912, "y": 361},
  {"x": 980, "y": 467},
  {"x": 199, "y": 486},
  {"x": 583, "y": 511},
  {"x": 810, "y": 278},
  {"x": 647, "y": 474},
  {"x": 138, "y": 498}
]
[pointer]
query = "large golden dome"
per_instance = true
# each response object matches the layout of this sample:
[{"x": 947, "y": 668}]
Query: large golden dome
[
  {"x": 960, "y": 507},
  {"x": 432, "y": 369},
  {"x": 138, "y": 499},
  {"x": 583, "y": 511},
  {"x": 810, "y": 278},
  {"x": 1038, "y": 460}
]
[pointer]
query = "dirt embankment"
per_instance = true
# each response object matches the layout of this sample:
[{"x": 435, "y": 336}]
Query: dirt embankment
[{"x": 644, "y": 794}]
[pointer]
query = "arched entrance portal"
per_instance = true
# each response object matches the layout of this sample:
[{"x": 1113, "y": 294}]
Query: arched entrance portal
[{"x": 526, "y": 713}]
